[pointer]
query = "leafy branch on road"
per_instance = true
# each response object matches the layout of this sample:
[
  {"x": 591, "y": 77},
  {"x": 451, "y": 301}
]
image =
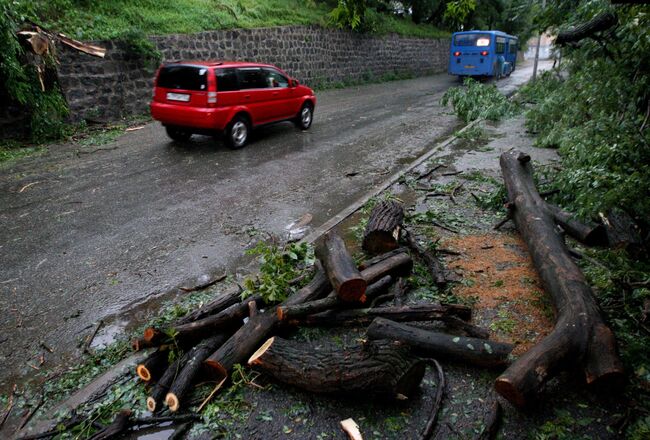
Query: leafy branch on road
[{"x": 475, "y": 100}]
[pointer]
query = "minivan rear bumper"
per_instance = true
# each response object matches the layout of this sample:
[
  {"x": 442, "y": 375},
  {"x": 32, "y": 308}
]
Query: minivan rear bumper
[{"x": 185, "y": 116}]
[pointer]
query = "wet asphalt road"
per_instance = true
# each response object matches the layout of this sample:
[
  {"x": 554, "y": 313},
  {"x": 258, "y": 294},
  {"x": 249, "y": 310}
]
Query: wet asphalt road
[{"x": 85, "y": 234}]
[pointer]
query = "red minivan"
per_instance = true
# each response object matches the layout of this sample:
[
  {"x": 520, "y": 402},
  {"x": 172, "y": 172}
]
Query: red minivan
[{"x": 231, "y": 97}]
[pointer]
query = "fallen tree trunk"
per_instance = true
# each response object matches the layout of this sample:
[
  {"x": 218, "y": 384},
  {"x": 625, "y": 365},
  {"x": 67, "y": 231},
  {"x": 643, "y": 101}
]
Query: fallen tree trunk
[
  {"x": 479, "y": 352},
  {"x": 246, "y": 340},
  {"x": 361, "y": 317},
  {"x": 622, "y": 232},
  {"x": 379, "y": 368},
  {"x": 117, "y": 427},
  {"x": 382, "y": 231},
  {"x": 580, "y": 337},
  {"x": 340, "y": 268},
  {"x": 153, "y": 366},
  {"x": 187, "y": 375},
  {"x": 590, "y": 234},
  {"x": 599, "y": 23}
]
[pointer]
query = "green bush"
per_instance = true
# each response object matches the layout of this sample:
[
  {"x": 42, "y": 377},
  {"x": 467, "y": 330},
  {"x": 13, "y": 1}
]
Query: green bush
[{"x": 475, "y": 100}]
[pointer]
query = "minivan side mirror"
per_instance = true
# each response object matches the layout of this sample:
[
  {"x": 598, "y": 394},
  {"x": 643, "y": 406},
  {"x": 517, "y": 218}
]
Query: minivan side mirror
[{"x": 294, "y": 82}]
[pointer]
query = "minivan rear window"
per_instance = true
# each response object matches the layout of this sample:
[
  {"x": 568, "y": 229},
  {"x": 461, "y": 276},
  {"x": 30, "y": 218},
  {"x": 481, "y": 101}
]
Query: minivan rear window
[
  {"x": 183, "y": 77},
  {"x": 472, "y": 40}
]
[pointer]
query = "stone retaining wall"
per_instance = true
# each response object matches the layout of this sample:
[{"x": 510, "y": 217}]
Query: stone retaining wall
[{"x": 120, "y": 84}]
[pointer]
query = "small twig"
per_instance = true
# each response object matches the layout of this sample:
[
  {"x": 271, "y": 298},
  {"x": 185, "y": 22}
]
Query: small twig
[
  {"x": 95, "y": 151},
  {"x": 452, "y": 194},
  {"x": 446, "y": 228},
  {"x": 440, "y": 390},
  {"x": 549, "y": 193},
  {"x": 452, "y": 173},
  {"x": 28, "y": 185},
  {"x": 507, "y": 218},
  {"x": 92, "y": 337},
  {"x": 204, "y": 285},
  {"x": 10, "y": 406},
  {"x": 31, "y": 413},
  {"x": 448, "y": 252},
  {"x": 428, "y": 173},
  {"x": 212, "y": 393}
]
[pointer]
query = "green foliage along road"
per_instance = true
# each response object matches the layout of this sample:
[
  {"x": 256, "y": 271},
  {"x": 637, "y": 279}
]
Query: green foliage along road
[{"x": 595, "y": 110}]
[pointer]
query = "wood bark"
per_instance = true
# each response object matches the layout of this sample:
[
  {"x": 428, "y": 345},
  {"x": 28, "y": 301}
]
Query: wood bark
[
  {"x": 332, "y": 301},
  {"x": 340, "y": 268},
  {"x": 599, "y": 23},
  {"x": 436, "y": 269},
  {"x": 479, "y": 352},
  {"x": 246, "y": 340},
  {"x": 360, "y": 317},
  {"x": 397, "y": 264},
  {"x": 153, "y": 366},
  {"x": 590, "y": 234},
  {"x": 230, "y": 297},
  {"x": 188, "y": 334},
  {"x": 188, "y": 374},
  {"x": 492, "y": 422},
  {"x": 580, "y": 337},
  {"x": 384, "y": 224},
  {"x": 378, "y": 368}
]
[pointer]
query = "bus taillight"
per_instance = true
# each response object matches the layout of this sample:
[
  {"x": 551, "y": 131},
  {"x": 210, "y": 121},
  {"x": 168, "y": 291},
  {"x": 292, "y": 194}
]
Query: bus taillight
[
  {"x": 484, "y": 53},
  {"x": 456, "y": 54}
]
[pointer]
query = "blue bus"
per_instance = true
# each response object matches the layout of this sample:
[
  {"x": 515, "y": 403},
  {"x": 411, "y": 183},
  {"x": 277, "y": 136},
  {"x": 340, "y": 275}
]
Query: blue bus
[{"x": 482, "y": 53}]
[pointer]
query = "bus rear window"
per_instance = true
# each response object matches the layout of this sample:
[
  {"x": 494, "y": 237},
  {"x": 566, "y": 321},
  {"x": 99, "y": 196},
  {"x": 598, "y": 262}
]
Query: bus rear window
[
  {"x": 183, "y": 77},
  {"x": 472, "y": 40}
]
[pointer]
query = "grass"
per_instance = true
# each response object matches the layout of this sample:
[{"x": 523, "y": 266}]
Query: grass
[
  {"x": 89, "y": 20},
  {"x": 12, "y": 150}
]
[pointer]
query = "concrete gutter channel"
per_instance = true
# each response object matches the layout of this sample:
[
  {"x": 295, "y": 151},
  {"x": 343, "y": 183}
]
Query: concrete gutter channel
[{"x": 102, "y": 383}]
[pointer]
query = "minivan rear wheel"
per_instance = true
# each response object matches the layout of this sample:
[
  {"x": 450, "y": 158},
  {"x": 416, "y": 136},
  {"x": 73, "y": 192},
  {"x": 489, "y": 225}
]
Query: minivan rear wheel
[
  {"x": 178, "y": 134},
  {"x": 305, "y": 116},
  {"x": 237, "y": 133}
]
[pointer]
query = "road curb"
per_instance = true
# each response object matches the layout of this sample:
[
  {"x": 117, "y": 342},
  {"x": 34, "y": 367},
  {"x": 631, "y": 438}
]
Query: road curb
[{"x": 351, "y": 209}]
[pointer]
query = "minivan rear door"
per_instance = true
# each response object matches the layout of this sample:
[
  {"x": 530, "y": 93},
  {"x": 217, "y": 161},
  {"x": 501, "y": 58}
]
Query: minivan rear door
[{"x": 182, "y": 84}]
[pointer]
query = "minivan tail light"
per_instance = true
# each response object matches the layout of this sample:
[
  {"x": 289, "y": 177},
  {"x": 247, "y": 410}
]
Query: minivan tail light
[
  {"x": 484, "y": 53},
  {"x": 212, "y": 97},
  {"x": 456, "y": 54}
]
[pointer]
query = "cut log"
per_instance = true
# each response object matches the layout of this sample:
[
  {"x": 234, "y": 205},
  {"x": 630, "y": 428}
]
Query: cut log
[
  {"x": 154, "y": 365},
  {"x": 161, "y": 388},
  {"x": 479, "y": 352},
  {"x": 590, "y": 234},
  {"x": 230, "y": 297},
  {"x": 381, "y": 257},
  {"x": 384, "y": 368},
  {"x": 188, "y": 374},
  {"x": 361, "y": 317},
  {"x": 188, "y": 334},
  {"x": 437, "y": 403},
  {"x": 438, "y": 273},
  {"x": 396, "y": 265},
  {"x": 580, "y": 338},
  {"x": 492, "y": 422},
  {"x": 382, "y": 231},
  {"x": 599, "y": 23},
  {"x": 246, "y": 340},
  {"x": 340, "y": 268},
  {"x": 331, "y": 301}
]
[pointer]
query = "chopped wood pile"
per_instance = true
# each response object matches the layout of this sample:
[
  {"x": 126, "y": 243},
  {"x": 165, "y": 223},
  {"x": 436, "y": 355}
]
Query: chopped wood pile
[{"x": 390, "y": 362}]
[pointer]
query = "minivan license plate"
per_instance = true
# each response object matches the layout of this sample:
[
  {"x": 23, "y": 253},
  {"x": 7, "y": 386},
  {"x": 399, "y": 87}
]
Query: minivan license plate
[{"x": 178, "y": 97}]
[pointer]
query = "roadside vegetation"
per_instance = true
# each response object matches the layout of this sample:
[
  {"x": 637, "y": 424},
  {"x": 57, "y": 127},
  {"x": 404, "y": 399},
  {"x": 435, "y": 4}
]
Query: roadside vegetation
[{"x": 594, "y": 109}]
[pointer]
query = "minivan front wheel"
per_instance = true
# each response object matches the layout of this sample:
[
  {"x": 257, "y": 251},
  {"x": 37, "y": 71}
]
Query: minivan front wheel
[
  {"x": 237, "y": 132},
  {"x": 178, "y": 134},
  {"x": 305, "y": 117}
]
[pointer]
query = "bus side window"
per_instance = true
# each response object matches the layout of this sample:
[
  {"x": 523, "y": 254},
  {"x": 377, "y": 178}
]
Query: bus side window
[
  {"x": 501, "y": 45},
  {"x": 513, "y": 46}
]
